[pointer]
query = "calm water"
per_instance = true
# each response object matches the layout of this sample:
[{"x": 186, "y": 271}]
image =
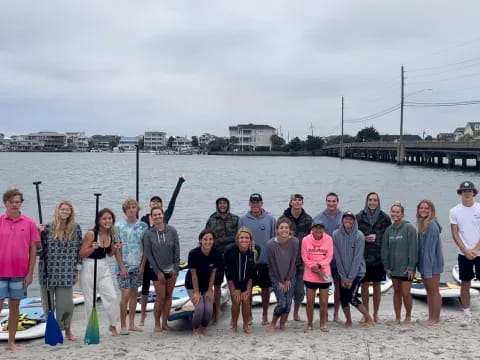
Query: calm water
[{"x": 76, "y": 176}]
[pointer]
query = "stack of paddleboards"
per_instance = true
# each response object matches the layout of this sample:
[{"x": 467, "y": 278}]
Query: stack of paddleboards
[
  {"x": 456, "y": 275},
  {"x": 447, "y": 289},
  {"x": 257, "y": 296}
]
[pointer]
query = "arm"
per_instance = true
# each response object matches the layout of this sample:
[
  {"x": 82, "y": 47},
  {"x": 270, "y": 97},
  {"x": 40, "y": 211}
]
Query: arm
[
  {"x": 32, "y": 249},
  {"x": 173, "y": 199},
  {"x": 412, "y": 249},
  {"x": 304, "y": 252},
  {"x": 357, "y": 257},
  {"x": 148, "y": 252},
  {"x": 293, "y": 259},
  {"x": 88, "y": 245},
  {"x": 432, "y": 239},
  {"x": 176, "y": 252},
  {"x": 121, "y": 265},
  {"x": 196, "y": 289},
  {"x": 210, "y": 284},
  {"x": 385, "y": 251},
  {"x": 272, "y": 264},
  {"x": 329, "y": 244}
]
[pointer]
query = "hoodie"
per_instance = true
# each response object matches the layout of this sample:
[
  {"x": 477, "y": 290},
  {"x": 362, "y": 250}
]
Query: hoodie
[
  {"x": 317, "y": 252},
  {"x": 430, "y": 254},
  {"x": 162, "y": 249},
  {"x": 239, "y": 267},
  {"x": 348, "y": 249},
  {"x": 300, "y": 228},
  {"x": 263, "y": 229},
  {"x": 331, "y": 223},
  {"x": 225, "y": 226},
  {"x": 400, "y": 248}
]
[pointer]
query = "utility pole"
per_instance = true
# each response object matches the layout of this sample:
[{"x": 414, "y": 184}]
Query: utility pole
[
  {"x": 342, "y": 149},
  {"x": 311, "y": 128},
  {"x": 401, "y": 147}
]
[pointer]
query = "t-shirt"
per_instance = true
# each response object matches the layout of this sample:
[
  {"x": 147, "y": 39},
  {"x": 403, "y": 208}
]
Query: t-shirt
[
  {"x": 132, "y": 248},
  {"x": 203, "y": 264},
  {"x": 468, "y": 220},
  {"x": 16, "y": 235}
]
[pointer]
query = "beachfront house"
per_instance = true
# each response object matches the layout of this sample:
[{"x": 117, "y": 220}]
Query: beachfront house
[
  {"x": 472, "y": 129},
  {"x": 154, "y": 140},
  {"x": 250, "y": 136},
  {"x": 127, "y": 143},
  {"x": 77, "y": 141},
  {"x": 458, "y": 134}
]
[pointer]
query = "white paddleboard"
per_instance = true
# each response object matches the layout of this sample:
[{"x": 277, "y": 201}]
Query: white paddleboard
[
  {"x": 447, "y": 290},
  {"x": 33, "y": 332}
]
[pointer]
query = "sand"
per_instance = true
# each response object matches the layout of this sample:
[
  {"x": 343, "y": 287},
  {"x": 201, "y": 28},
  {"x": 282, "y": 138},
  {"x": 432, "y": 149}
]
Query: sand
[{"x": 449, "y": 340}]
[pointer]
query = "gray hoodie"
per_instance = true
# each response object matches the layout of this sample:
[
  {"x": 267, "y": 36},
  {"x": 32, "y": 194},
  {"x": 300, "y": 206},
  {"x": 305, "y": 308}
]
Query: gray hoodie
[
  {"x": 263, "y": 229},
  {"x": 348, "y": 250},
  {"x": 430, "y": 254},
  {"x": 162, "y": 249},
  {"x": 331, "y": 223}
]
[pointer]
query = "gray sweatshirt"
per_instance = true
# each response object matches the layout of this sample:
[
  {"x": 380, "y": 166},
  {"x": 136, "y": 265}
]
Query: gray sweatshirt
[
  {"x": 331, "y": 223},
  {"x": 263, "y": 229},
  {"x": 282, "y": 259},
  {"x": 162, "y": 249},
  {"x": 348, "y": 250},
  {"x": 430, "y": 254}
]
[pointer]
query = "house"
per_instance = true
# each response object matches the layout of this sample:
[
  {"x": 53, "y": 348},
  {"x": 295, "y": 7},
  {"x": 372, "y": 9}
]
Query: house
[
  {"x": 458, "y": 134},
  {"x": 249, "y": 136},
  {"x": 48, "y": 140},
  {"x": 205, "y": 139},
  {"x": 77, "y": 141},
  {"x": 154, "y": 140},
  {"x": 181, "y": 143},
  {"x": 128, "y": 143},
  {"x": 472, "y": 129},
  {"x": 445, "y": 137}
]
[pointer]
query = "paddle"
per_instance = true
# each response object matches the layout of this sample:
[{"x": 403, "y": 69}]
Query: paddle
[
  {"x": 53, "y": 333},
  {"x": 92, "y": 333}
]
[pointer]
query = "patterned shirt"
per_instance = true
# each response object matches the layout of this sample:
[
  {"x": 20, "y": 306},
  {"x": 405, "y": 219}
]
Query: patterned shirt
[
  {"x": 131, "y": 237},
  {"x": 62, "y": 257}
]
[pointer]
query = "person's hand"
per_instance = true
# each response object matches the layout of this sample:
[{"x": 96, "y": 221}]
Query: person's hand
[
  {"x": 141, "y": 269},
  {"x": 315, "y": 269},
  {"x": 196, "y": 298},
  {"x": 287, "y": 284},
  {"x": 117, "y": 245},
  {"x": 41, "y": 227},
  {"x": 94, "y": 245},
  {"x": 410, "y": 274},
  {"x": 369, "y": 238},
  {"x": 246, "y": 295},
  {"x": 321, "y": 274},
  {"x": 183, "y": 176},
  {"x": 123, "y": 273},
  {"x": 210, "y": 294},
  {"x": 75, "y": 278},
  {"x": 470, "y": 254},
  {"x": 27, "y": 280},
  {"x": 389, "y": 273}
]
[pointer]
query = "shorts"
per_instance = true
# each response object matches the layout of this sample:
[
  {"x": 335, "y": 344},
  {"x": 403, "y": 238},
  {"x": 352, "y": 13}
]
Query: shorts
[
  {"x": 401, "y": 278},
  {"x": 219, "y": 275},
  {"x": 315, "y": 286},
  {"x": 350, "y": 296},
  {"x": 12, "y": 288},
  {"x": 374, "y": 273},
  {"x": 148, "y": 276},
  {"x": 466, "y": 267},
  {"x": 132, "y": 281},
  {"x": 262, "y": 276}
]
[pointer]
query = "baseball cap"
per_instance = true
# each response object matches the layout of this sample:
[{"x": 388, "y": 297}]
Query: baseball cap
[
  {"x": 256, "y": 197},
  {"x": 156, "y": 198},
  {"x": 348, "y": 213},
  {"x": 466, "y": 185},
  {"x": 317, "y": 222}
]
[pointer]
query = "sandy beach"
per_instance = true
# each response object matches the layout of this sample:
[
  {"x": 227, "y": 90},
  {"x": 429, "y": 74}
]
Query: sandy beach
[{"x": 449, "y": 340}]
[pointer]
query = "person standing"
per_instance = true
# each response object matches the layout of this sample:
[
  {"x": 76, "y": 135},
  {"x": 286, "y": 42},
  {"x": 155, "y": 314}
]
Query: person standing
[
  {"x": 161, "y": 246},
  {"x": 301, "y": 225},
  {"x": 317, "y": 254},
  {"x": 129, "y": 263},
  {"x": 400, "y": 257},
  {"x": 465, "y": 227},
  {"x": 202, "y": 265},
  {"x": 224, "y": 225},
  {"x": 349, "y": 246},
  {"x": 262, "y": 225},
  {"x": 331, "y": 217},
  {"x": 373, "y": 222},
  {"x": 19, "y": 240},
  {"x": 282, "y": 255},
  {"x": 148, "y": 274},
  {"x": 61, "y": 242},
  {"x": 430, "y": 257}
]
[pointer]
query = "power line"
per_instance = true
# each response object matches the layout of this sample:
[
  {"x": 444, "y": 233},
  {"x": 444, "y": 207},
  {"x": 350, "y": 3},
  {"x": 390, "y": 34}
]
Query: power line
[
  {"x": 374, "y": 115},
  {"x": 439, "y": 104},
  {"x": 450, "y": 70},
  {"x": 446, "y": 79},
  {"x": 444, "y": 66}
]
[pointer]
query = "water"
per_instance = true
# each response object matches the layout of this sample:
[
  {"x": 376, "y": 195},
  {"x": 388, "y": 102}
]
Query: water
[{"x": 76, "y": 176}]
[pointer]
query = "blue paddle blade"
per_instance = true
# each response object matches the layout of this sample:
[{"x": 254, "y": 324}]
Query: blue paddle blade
[
  {"x": 53, "y": 333},
  {"x": 92, "y": 334}
]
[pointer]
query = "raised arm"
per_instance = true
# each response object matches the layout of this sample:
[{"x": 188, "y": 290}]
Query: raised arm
[{"x": 173, "y": 199}]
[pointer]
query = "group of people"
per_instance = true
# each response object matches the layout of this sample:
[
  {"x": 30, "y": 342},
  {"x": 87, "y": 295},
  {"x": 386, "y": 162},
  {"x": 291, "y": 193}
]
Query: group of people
[{"x": 292, "y": 254}]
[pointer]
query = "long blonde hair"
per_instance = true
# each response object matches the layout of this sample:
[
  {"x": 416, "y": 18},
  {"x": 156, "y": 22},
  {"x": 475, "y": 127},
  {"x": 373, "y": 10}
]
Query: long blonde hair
[
  {"x": 422, "y": 223},
  {"x": 57, "y": 231},
  {"x": 252, "y": 243}
]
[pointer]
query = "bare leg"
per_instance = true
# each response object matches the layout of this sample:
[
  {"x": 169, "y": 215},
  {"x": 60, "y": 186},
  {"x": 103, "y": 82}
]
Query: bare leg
[
  {"x": 218, "y": 307},
  {"x": 465, "y": 294},
  {"x": 365, "y": 294},
  {"x": 132, "y": 308},
  {"x": 407, "y": 301},
  {"x": 123, "y": 311},
  {"x": 13, "y": 306},
  {"x": 283, "y": 321},
  {"x": 143, "y": 313},
  {"x": 368, "y": 320},
  {"x": 310, "y": 307},
  {"x": 265, "y": 304},
  {"x": 273, "y": 324},
  {"x": 323, "y": 309},
  {"x": 377, "y": 296},
  {"x": 296, "y": 309},
  {"x": 170, "y": 284},
  {"x": 159, "y": 303},
  {"x": 397, "y": 299},
  {"x": 69, "y": 335},
  {"x": 336, "y": 302},
  {"x": 235, "y": 314},
  {"x": 348, "y": 316},
  {"x": 246, "y": 310}
]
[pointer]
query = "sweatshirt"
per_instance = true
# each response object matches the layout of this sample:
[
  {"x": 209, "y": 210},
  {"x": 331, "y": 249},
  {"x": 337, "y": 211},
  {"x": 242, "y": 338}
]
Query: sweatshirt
[
  {"x": 348, "y": 249},
  {"x": 331, "y": 223},
  {"x": 400, "y": 248},
  {"x": 263, "y": 229},
  {"x": 317, "y": 252},
  {"x": 224, "y": 226},
  {"x": 281, "y": 259},
  {"x": 300, "y": 228},
  {"x": 162, "y": 249},
  {"x": 430, "y": 254},
  {"x": 373, "y": 250},
  {"x": 239, "y": 267}
]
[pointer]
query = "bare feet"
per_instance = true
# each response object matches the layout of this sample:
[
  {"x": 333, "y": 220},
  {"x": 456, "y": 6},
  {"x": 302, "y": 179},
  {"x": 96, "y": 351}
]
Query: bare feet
[
  {"x": 265, "y": 320},
  {"x": 113, "y": 330},
  {"x": 135, "y": 328},
  {"x": 271, "y": 328},
  {"x": 348, "y": 324},
  {"x": 394, "y": 322},
  {"x": 297, "y": 317},
  {"x": 377, "y": 320},
  {"x": 142, "y": 320},
  {"x": 323, "y": 329},
  {"x": 69, "y": 335},
  {"x": 308, "y": 328},
  {"x": 283, "y": 325},
  {"x": 203, "y": 331},
  {"x": 14, "y": 347},
  {"x": 407, "y": 321},
  {"x": 247, "y": 330},
  {"x": 234, "y": 328},
  {"x": 336, "y": 319},
  {"x": 218, "y": 315},
  {"x": 157, "y": 329},
  {"x": 368, "y": 324},
  {"x": 196, "y": 332},
  {"x": 124, "y": 331}
]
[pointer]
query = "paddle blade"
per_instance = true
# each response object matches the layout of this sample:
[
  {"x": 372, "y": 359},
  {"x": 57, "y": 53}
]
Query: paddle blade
[
  {"x": 53, "y": 333},
  {"x": 92, "y": 334}
]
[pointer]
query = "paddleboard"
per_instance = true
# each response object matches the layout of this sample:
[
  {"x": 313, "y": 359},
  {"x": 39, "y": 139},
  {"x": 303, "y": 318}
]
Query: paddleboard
[
  {"x": 456, "y": 275},
  {"x": 257, "y": 296},
  {"x": 36, "y": 331},
  {"x": 447, "y": 290},
  {"x": 331, "y": 300}
]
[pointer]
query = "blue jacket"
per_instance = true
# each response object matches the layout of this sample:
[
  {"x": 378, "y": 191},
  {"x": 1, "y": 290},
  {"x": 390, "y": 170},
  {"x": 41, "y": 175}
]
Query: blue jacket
[{"x": 430, "y": 254}]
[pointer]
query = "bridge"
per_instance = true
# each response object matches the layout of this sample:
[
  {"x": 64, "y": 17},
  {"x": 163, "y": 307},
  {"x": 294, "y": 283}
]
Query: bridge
[{"x": 427, "y": 153}]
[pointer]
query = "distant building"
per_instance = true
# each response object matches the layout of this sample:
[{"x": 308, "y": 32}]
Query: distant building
[
  {"x": 250, "y": 136},
  {"x": 77, "y": 141},
  {"x": 104, "y": 142},
  {"x": 181, "y": 143},
  {"x": 445, "y": 137},
  {"x": 48, "y": 140},
  {"x": 127, "y": 143},
  {"x": 458, "y": 134},
  {"x": 154, "y": 140},
  {"x": 472, "y": 129},
  {"x": 205, "y": 139}
]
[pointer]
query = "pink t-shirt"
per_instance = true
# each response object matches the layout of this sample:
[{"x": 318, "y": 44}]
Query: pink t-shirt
[
  {"x": 16, "y": 235},
  {"x": 317, "y": 252}
]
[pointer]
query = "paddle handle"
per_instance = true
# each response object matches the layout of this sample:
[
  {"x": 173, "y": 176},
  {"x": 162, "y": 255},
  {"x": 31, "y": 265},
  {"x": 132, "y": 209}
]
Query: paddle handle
[
  {"x": 37, "y": 188},
  {"x": 95, "y": 234}
]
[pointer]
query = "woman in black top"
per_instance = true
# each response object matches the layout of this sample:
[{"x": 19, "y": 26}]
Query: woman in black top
[
  {"x": 239, "y": 268},
  {"x": 98, "y": 248},
  {"x": 202, "y": 265}
]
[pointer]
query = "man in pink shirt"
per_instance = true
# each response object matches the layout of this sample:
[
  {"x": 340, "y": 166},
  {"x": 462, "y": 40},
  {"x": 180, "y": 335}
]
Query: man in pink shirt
[{"x": 19, "y": 237}]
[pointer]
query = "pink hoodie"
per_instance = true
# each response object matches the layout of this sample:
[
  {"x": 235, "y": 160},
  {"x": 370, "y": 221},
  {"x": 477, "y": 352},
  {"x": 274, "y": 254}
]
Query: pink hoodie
[{"x": 317, "y": 252}]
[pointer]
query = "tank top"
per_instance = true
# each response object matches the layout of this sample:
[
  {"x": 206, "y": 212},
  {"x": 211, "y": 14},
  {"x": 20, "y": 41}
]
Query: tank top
[{"x": 101, "y": 252}]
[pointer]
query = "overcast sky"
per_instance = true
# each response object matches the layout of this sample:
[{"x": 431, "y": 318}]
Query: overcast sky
[{"x": 189, "y": 67}]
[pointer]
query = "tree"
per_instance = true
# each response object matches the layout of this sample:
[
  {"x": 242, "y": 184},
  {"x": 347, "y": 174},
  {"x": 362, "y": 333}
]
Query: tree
[
  {"x": 429, "y": 138},
  {"x": 277, "y": 141},
  {"x": 170, "y": 141},
  {"x": 219, "y": 144},
  {"x": 194, "y": 141},
  {"x": 141, "y": 143},
  {"x": 368, "y": 133},
  {"x": 336, "y": 139},
  {"x": 296, "y": 144},
  {"x": 313, "y": 142},
  {"x": 234, "y": 140}
]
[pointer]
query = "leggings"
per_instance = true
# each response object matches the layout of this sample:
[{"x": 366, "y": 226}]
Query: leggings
[
  {"x": 62, "y": 304},
  {"x": 284, "y": 299},
  {"x": 203, "y": 310}
]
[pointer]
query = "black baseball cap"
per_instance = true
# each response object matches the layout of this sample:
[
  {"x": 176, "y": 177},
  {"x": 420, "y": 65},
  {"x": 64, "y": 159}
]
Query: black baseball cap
[
  {"x": 349, "y": 214},
  {"x": 256, "y": 197},
  {"x": 466, "y": 185},
  {"x": 317, "y": 222},
  {"x": 156, "y": 198}
]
